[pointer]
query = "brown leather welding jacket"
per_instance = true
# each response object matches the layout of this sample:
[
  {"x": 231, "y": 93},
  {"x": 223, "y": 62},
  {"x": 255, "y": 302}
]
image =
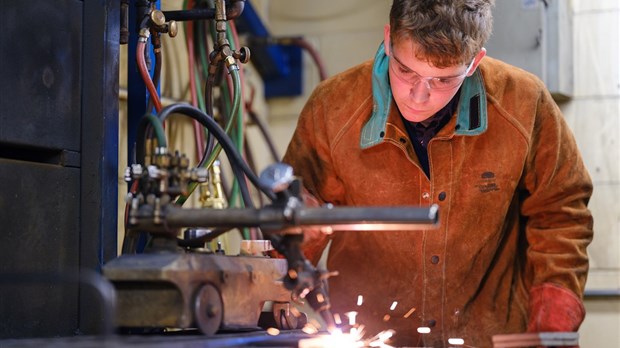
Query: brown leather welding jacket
[{"x": 511, "y": 189}]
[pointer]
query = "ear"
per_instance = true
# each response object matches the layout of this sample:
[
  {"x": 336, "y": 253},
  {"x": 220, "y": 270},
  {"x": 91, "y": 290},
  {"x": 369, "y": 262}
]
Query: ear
[
  {"x": 386, "y": 39},
  {"x": 477, "y": 59}
]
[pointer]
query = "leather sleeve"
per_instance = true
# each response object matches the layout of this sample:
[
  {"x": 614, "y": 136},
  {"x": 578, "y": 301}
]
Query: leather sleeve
[
  {"x": 558, "y": 222},
  {"x": 309, "y": 155}
]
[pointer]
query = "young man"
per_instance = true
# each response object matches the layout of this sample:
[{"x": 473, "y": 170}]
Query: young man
[{"x": 431, "y": 120}]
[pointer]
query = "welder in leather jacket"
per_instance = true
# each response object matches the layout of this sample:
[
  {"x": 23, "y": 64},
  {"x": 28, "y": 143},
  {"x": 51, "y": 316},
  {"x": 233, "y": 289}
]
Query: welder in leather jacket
[{"x": 432, "y": 120}]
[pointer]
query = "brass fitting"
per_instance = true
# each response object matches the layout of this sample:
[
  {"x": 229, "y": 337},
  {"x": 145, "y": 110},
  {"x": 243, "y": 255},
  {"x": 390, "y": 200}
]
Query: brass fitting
[
  {"x": 231, "y": 63},
  {"x": 158, "y": 19}
]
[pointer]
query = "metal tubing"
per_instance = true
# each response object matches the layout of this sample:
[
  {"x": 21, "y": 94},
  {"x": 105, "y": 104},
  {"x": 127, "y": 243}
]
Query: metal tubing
[
  {"x": 232, "y": 11},
  {"x": 274, "y": 218},
  {"x": 367, "y": 215},
  {"x": 601, "y": 293}
]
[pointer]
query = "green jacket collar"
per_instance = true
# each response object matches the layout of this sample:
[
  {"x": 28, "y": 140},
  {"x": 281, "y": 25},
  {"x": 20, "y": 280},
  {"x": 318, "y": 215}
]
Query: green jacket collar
[{"x": 472, "y": 109}]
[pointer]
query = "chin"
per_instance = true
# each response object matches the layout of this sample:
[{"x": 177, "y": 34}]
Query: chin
[{"x": 417, "y": 117}]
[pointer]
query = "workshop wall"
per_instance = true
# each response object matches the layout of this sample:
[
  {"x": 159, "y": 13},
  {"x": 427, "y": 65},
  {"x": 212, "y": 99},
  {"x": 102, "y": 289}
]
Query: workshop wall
[
  {"x": 344, "y": 32},
  {"x": 594, "y": 115}
]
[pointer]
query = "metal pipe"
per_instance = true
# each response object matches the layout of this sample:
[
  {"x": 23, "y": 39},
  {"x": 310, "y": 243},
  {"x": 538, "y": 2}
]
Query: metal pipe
[
  {"x": 374, "y": 217},
  {"x": 232, "y": 11},
  {"x": 274, "y": 218},
  {"x": 602, "y": 293}
]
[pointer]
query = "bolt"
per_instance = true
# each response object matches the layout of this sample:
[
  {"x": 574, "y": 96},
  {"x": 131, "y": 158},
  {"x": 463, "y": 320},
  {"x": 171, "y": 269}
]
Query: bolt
[{"x": 211, "y": 311}]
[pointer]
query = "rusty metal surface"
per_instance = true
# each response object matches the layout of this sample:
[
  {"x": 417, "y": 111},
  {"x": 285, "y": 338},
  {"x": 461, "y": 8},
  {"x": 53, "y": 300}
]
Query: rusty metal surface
[{"x": 160, "y": 289}]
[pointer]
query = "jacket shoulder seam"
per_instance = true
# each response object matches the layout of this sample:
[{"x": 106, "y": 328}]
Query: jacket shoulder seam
[{"x": 347, "y": 125}]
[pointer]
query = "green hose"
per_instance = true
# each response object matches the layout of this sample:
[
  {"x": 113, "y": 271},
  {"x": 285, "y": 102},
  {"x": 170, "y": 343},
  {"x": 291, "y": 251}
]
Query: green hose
[
  {"x": 234, "y": 116},
  {"x": 159, "y": 129}
]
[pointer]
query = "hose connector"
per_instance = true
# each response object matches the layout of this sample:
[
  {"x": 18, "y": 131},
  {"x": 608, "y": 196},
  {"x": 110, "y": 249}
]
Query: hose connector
[
  {"x": 144, "y": 35},
  {"x": 231, "y": 64}
]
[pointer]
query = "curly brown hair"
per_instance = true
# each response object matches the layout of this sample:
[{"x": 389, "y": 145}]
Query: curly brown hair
[{"x": 447, "y": 32}]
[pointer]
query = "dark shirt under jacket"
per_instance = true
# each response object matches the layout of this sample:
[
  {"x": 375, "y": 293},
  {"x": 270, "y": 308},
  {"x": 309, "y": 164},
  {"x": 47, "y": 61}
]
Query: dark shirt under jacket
[{"x": 420, "y": 133}]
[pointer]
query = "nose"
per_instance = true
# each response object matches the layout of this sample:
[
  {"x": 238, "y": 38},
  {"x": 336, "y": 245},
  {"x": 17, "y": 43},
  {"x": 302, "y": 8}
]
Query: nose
[{"x": 420, "y": 91}]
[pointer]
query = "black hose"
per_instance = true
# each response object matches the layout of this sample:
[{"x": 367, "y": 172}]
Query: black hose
[
  {"x": 232, "y": 11},
  {"x": 208, "y": 99},
  {"x": 263, "y": 129},
  {"x": 237, "y": 163},
  {"x": 142, "y": 17}
]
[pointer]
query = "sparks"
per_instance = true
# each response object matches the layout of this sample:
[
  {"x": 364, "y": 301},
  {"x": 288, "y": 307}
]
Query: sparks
[
  {"x": 393, "y": 306},
  {"x": 351, "y": 340},
  {"x": 337, "y": 319},
  {"x": 351, "y": 315},
  {"x": 380, "y": 339},
  {"x": 408, "y": 314},
  {"x": 354, "y": 338},
  {"x": 424, "y": 330},
  {"x": 456, "y": 341},
  {"x": 330, "y": 341}
]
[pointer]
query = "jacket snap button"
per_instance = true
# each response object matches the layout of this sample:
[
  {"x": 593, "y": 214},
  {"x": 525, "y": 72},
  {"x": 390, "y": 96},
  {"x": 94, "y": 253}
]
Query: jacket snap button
[
  {"x": 432, "y": 323},
  {"x": 426, "y": 195},
  {"x": 442, "y": 196},
  {"x": 435, "y": 259}
]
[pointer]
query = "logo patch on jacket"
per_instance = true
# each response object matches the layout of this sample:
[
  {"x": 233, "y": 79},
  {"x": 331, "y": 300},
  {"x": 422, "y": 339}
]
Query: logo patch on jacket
[{"x": 487, "y": 182}]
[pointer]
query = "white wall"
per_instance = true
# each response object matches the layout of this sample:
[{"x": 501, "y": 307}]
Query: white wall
[
  {"x": 344, "y": 32},
  {"x": 594, "y": 115}
]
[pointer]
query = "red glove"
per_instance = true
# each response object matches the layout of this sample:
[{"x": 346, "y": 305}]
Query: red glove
[{"x": 554, "y": 308}]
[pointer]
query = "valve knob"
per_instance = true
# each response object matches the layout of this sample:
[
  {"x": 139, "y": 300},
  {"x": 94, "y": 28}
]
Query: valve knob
[
  {"x": 277, "y": 176},
  {"x": 173, "y": 29},
  {"x": 158, "y": 18},
  {"x": 244, "y": 55}
]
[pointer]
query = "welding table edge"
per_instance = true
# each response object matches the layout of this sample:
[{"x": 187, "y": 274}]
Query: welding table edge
[{"x": 285, "y": 339}]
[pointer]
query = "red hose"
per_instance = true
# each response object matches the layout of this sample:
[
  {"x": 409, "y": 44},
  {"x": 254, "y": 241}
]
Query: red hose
[
  {"x": 145, "y": 75},
  {"x": 303, "y": 43}
]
